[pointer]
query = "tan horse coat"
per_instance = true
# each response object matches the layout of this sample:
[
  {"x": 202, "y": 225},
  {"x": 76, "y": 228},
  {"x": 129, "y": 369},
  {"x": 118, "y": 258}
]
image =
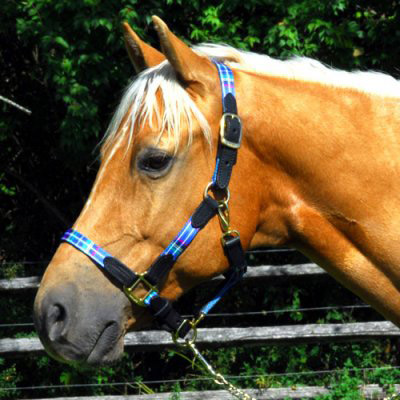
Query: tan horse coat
[{"x": 319, "y": 170}]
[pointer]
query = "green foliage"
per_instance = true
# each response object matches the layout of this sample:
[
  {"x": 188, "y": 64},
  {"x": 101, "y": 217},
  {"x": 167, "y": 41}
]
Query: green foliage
[
  {"x": 8, "y": 380},
  {"x": 66, "y": 61},
  {"x": 262, "y": 367},
  {"x": 12, "y": 270}
]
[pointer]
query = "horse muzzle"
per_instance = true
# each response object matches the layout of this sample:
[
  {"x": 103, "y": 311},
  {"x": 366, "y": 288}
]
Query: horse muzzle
[{"x": 83, "y": 325}]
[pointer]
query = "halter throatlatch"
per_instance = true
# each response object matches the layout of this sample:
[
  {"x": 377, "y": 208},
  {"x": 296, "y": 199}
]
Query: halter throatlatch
[{"x": 152, "y": 280}]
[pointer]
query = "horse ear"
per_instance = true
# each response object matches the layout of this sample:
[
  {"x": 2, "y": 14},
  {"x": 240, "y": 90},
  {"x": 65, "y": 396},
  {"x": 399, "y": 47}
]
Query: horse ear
[
  {"x": 141, "y": 54},
  {"x": 190, "y": 67}
]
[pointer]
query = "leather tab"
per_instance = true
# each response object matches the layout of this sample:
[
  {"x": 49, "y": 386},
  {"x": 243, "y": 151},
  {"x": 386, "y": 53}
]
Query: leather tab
[
  {"x": 236, "y": 256},
  {"x": 167, "y": 317},
  {"x": 229, "y": 104},
  {"x": 119, "y": 271},
  {"x": 207, "y": 209},
  {"x": 160, "y": 269},
  {"x": 227, "y": 159}
]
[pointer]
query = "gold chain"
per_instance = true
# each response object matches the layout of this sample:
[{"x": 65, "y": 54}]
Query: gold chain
[{"x": 217, "y": 377}]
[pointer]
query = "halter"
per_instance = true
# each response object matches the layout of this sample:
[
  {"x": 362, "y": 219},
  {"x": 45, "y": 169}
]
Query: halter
[{"x": 151, "y": 280}]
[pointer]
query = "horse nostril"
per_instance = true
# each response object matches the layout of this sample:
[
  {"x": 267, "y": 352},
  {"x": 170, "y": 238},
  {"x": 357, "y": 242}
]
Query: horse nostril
[{"x": 56, "y": 321}]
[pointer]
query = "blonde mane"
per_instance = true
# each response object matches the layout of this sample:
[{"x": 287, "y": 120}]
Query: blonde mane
[
  {"x": 304, "y": 69},
  {"x": 141, "y": 102}
]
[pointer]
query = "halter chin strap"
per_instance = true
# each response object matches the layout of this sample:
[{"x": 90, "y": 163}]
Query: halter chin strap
[{"x": 154, "y": 277}]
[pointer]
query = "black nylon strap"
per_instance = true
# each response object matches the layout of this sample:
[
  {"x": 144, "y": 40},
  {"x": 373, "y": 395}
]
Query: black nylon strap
[
  {"x": 204, "y": 212},
  {"x": 227, "y": 159},
  {"x": 229, "y": 104},
  {"x": 167, "y": 317},
  {"x": 235, "y": 254},
  {"x": 231, "y": 137},
  {"x": 119, "y": 271},
  {"x": 160, "y": 269}
]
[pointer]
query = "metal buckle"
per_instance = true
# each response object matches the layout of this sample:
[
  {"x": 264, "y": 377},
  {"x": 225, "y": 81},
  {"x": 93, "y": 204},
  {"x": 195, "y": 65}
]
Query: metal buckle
[
  {"x": 230, "y": 232},
  {"x": 193, "y": 329},
  {"x": 227, "y": 194},
  {"x": 140, "y": 301},
  {"x": 222, "y": 126}
]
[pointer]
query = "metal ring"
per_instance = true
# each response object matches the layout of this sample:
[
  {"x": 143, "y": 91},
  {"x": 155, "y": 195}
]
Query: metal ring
[
  {"x": 226, "y": 198},
  {"x": 209, "y": 184},
  {"x": 231, "y": 232},
  {"x": 186, "y": 342}
]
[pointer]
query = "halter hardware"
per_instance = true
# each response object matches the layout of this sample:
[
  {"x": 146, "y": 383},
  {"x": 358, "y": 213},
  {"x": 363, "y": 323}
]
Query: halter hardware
[
  {"x": 151, "y": 280},
  {"x": 161, "y": 308},
  {"x": 224, "y": 217},
  {"x": 233, "y": 143},
  {"x": 226, "y": 195},
  {"x": 151, "y": 290},
  {"x": 193, "y": 329}
]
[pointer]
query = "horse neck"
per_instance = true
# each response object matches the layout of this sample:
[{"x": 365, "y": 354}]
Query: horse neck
[
  {"x": 314, "y": 121},
  {"x": 336, "y": 153},
  {"x": 336, "y": 149},
  {"x": 322, "y": 136}
]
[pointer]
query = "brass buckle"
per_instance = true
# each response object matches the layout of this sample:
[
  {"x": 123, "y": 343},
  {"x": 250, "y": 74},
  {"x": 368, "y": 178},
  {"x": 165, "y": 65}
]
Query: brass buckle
[
  {"x": 140, "y": 301},
  {"x": 224, "y": 140},
  {"x": 193, "y": 329},
  {"x": 230, "y": 232},
  {"x": 227, "y": 194}
]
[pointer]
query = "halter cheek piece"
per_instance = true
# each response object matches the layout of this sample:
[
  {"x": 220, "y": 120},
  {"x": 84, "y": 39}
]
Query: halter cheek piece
[{"x": 161, "y": 308}]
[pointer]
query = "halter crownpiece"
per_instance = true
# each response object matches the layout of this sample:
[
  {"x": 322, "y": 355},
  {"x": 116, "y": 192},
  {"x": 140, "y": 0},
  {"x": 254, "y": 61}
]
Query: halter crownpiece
[{"x": 151, "y": 280}]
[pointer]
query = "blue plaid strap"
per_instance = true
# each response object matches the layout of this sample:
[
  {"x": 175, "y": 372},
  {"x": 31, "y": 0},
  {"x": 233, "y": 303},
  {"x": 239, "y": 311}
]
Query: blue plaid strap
[
  {"x": 230, "y": 129},
  {"x": 206, "y": 210},
  {"x": 227, "y": 83},
  {"x": 86, "y": 246},
  {"x": 231, "y": 281},
  {"x": 182, "y": 240},
  {"x": 98, "y": 254}
]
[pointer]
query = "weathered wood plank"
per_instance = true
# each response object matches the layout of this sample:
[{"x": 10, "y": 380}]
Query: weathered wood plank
[
  {"x": 263, "y": 271},
  {"x": 290, "y": 270},
  {"x": 209, "y": 337},
  {"x": 20, "y": 283},
  {"x": 375, "y": 392}
]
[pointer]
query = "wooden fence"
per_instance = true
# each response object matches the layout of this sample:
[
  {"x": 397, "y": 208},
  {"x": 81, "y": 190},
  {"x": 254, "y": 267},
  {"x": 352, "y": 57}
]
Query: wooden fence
[{"x": 153, "y": 340}]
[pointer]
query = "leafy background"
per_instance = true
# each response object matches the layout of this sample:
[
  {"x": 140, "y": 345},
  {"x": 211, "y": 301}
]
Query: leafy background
[{"x": 66, "y": 62}]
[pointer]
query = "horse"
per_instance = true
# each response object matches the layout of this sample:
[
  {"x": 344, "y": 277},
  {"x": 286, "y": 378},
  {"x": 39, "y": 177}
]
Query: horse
[{"x": 318, "y": 170}]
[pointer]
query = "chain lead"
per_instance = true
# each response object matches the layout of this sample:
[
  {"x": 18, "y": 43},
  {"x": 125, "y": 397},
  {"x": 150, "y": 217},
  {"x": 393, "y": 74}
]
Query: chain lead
[{"x": 218, "y": 378}]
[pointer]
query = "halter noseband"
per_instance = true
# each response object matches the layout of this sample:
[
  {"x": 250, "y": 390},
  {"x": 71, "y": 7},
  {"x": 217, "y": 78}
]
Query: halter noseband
[{"x": 152, "y": 279}]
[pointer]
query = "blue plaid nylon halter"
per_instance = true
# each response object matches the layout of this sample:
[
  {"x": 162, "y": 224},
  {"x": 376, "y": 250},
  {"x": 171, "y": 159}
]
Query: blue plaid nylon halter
[
  {"x": 97, "y": 254},
  {"x": 85, "y": 245},
  {"x": 187, "y": 234},
  {"x": 227, "y": 86},
  {"x": 182, "y": 240},
  {"x": 226, "y": 80}
]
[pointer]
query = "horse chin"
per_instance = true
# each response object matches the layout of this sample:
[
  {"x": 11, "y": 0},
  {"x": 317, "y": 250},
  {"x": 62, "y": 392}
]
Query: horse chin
[
  {"x": 108, "y": 349},
  {"x": 98, "y": 357}
]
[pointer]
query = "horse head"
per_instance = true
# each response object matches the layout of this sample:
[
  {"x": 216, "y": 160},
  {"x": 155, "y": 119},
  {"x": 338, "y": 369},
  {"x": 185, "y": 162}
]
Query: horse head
[
  {"x": 156, "y": 160},
  {"x": 308, "y": 174}
]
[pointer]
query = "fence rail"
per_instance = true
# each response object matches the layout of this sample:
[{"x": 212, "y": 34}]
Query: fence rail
[
  {"x": 374, "y": 392},
  {"x": 209, "y": 337},
  {"x": 263, "y": 271}
]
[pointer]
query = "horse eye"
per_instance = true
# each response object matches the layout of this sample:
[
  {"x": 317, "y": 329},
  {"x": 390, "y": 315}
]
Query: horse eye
[{"x": 154, "y": 162}]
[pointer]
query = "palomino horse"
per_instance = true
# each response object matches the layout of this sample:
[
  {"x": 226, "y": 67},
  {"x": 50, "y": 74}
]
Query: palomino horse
[{"x": 318, "y": 170}]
